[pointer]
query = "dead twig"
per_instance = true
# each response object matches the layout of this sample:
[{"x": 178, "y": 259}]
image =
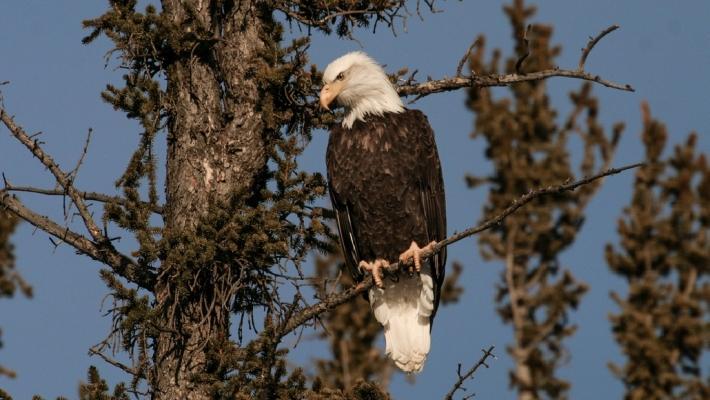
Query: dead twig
[
  {"x": 592, "y": 42},
  {"x": 462, "y": 61},
  {"x": 74, "y": 172},
  {"x": 526, "y": 41},
  {"x": 469, "y": 374}
]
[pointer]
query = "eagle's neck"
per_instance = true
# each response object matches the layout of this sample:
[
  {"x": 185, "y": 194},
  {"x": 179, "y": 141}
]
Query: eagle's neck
[{"x": 375, "y": 101}]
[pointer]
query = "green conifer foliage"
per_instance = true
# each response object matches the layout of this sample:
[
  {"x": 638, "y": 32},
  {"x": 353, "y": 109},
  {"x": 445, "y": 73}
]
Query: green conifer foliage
[
  {"x": 663, "y": 254},
  {"x": 529, "y": 149},
  {"x": 97, "y": 389}
]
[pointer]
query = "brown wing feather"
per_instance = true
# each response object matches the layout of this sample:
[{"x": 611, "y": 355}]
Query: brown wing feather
[
  {"x": 433, "y": 201},
  {"x": 346, "y": 234}
]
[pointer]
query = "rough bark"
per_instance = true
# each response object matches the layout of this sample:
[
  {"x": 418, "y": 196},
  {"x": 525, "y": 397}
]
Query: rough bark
[
  {"x": 215, "y": 145},
  {"x": 215, "y": 149}
]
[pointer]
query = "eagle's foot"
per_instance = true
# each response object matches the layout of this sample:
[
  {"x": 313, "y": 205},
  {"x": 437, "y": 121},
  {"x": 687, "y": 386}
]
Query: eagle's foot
[
  {"x": 415, "y": 252},
  {"x": 375, "y": 268}
]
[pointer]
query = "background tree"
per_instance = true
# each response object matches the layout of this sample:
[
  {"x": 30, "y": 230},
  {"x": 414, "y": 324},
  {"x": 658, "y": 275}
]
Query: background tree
[
  {"x": 528, "y": 149},
  {"x": 664, "y": 256},
  {"x": 10, "y": 279}
]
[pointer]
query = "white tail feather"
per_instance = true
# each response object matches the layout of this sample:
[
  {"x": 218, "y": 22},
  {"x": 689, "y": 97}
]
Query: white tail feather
[{"x": 404, "y": 308}]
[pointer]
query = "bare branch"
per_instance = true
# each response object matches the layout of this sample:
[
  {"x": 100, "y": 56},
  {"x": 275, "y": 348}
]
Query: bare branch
[
  {"x": 469, "y": 374},
  {"x": 103, "y": 252},
  {"x": 335, "y": 300},
  {"x": 459, "y": 82},
  {"x": 525, "y": 199},
  {"x": 592, "y": 42},
  {"x": 73, "y": 173},
  {"x": 462, "y": 61},
  {"x": 92, "y": 196},
  {"x": 115, "y": 363},
  {"x": 526, "y": 41},
  {"x": 451, "y": 84},
  {"x": 129, "y": 370},
  {"x": 62, "y": 179},
  {"x": 100, "y": 248}
]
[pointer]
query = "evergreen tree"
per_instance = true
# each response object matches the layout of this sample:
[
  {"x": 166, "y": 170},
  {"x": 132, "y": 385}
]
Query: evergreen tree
[
  {"x": 10, "y": 279},
  {"x": 529, "y": 150},
  {"x": 663, "y": 254}
]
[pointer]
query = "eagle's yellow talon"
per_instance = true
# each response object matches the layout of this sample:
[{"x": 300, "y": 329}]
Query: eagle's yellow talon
[
  {"x": 415, "y": 252},
  {"x": 375, "y": 268}
]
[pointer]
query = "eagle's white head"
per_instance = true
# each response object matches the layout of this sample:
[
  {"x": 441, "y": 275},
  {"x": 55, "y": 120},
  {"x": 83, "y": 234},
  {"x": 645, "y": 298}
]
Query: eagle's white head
[{"x": 358, "y": 83}]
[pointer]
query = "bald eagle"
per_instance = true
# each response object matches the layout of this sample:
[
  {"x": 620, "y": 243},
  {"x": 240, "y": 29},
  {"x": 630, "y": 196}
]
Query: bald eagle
[{"x": 387, "y": 192}]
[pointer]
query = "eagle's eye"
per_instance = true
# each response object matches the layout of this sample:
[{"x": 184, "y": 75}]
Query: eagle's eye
[{"x": 340, "y": 77}]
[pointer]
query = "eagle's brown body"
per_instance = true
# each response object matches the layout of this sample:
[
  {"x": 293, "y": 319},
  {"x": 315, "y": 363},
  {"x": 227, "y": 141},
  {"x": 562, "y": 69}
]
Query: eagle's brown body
[{"x": 387, "y": 190}]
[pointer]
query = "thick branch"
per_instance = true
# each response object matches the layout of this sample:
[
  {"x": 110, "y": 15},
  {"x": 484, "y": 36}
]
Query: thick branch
[
  {"x": 337, "y": 299},
  {"x": 108, "y": 255},
  {"x": 469, "y": 374}
]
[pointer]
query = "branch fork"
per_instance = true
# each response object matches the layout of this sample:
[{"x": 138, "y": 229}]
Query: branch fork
[{"x": 460, "y": 81}]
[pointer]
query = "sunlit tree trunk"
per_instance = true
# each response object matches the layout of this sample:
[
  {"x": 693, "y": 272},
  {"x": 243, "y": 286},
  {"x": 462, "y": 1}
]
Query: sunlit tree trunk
[{"x": 215, "y": 149}]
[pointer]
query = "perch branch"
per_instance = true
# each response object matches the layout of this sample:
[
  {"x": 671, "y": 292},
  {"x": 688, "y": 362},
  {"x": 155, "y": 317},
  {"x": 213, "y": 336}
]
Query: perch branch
[
  {"x": 469, "y": 374},
  {"x": 334, "y": 300}
]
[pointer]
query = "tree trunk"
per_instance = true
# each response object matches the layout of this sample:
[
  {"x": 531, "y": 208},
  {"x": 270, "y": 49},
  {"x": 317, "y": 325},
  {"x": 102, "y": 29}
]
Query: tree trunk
[{"x": 215, "y": 150}]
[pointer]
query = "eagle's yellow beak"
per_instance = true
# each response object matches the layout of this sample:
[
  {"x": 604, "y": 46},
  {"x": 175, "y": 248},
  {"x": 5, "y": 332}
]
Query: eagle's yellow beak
[{"x": 329, "y": 92}]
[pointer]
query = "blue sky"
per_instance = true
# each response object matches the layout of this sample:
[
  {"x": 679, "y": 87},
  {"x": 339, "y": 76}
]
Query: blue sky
[{"x": 661, "y": 49}]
